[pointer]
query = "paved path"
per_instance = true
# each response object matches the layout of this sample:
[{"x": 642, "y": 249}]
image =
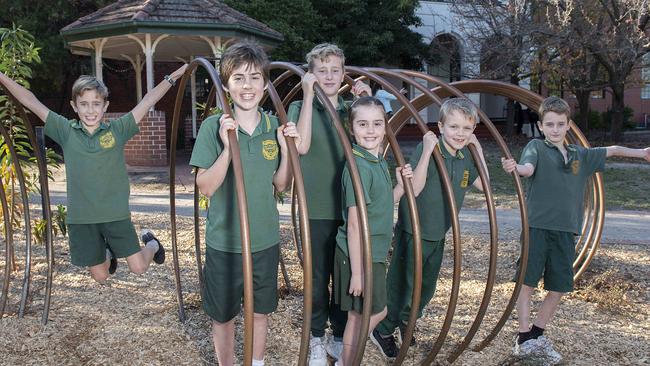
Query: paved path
[{"x": 620, "y": 226}]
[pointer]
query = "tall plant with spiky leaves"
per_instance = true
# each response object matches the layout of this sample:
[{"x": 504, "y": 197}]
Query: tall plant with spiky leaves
[{"x": 17, "y": 52}]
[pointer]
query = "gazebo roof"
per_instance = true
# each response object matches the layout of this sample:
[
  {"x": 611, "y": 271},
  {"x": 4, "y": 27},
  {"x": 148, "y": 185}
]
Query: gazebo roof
[{"x": 186, "y": 19}]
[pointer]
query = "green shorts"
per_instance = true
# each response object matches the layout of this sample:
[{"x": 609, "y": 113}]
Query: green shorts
[
  {"x": 342, "y": 275},
  {"x": 551, "y": 254},
  {"x": 223, "y": 285},
  {"x": 88, "y": 242}
]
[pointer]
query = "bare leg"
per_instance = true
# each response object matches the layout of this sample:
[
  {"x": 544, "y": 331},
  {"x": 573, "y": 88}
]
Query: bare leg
[
  {"x": 260, "y": 326},
  {"x": 548, "y": 308},
  {"x": 140, "y": 261},
  {"x": 351, "y": 331},
  {"x": 223, "y": 337},
  {"x": 523, "y": 308},
  {"x": 99, "y": 272}
]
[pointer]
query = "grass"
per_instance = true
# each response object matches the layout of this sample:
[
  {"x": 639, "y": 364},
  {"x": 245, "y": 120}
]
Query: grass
[{"x": 625, "y": 186}]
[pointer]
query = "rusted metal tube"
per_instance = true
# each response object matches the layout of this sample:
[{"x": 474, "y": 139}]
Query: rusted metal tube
[
  {"x": 491, "y": 276},
  {"x": 45, "y": 204},
  {"x": 9, "y": 243},
  {"x": 415, "y": 221},
  {"x": 15, "y": 161},
  {"x": 299, "y": 187}
]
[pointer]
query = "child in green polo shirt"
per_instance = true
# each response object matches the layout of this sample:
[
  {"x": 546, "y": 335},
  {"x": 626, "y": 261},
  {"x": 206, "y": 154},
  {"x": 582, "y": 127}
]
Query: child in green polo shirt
[
  {"x": 558, "y": 174},
  {"x": 99, "y": 222},
  {"x": 368, "y": 122},
  {"x": 322, "y": 164},
  {"x": 458, "y": 118},
  {"x": 244, "y": 72}
]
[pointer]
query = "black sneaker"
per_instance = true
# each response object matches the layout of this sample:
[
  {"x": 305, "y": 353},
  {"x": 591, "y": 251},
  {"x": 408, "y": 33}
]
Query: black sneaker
[
  {"x": 159, "y": 257},
  {"x": 112, "y": 267},
  {"x": 402, "y": 334},
  {"x": 386, "y": 344}
]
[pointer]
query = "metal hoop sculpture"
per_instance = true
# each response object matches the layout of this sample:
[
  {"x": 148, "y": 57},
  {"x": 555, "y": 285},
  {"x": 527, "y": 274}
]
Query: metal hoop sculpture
[
  {"x": 491, "y": 215},
  {"x": 241, "y": 204},
  {"x": 45, "y": 203}
]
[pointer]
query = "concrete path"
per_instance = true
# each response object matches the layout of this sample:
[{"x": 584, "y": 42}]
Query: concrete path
[{"x": 620, "y": 226}]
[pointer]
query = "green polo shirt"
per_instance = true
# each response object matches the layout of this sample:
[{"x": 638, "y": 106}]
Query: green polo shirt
[
  {"x": 323, "y": 164},
  {"x": 556, "y": 190},
  {"x": 260, "y": 156},
  {"x": 433, "y": 208},
  {"x": 378, "y": 192},
  {"x": 97, "y": 182}
]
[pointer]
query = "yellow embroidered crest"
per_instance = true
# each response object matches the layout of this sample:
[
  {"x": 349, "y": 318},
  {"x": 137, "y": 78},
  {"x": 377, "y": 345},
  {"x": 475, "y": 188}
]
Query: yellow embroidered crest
[
  {"x": 107, "y": 140},
  {"x": 575, "y": 167},
  {"x": 269, "y": 149},
  {"x": 465, "y": 181}
]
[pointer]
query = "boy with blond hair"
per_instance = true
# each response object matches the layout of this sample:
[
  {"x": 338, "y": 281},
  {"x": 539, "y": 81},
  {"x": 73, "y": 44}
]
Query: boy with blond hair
[
  {"x": 558, "y": 174},
  {"x": 323, "y": 161},
  {"x": 99, "y": 221}
]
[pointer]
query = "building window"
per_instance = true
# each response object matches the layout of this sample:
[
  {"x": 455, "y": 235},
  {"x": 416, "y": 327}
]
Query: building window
[{"x": 645, "y": 76}]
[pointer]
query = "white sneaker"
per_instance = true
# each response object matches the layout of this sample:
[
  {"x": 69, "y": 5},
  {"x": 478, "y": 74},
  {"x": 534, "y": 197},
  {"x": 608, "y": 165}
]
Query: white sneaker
[
  {"x": 550, "y": 354},
  {"x": 531, "y": 347},
  {"x": 334, "y": 348},
  {"x": 317, "y": 354}
]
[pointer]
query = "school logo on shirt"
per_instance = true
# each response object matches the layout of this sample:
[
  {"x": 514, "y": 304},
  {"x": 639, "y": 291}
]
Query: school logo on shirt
[
  {"x": 269, "y": 149},
  {"x": 107, "y": 140},
  {"x": 575, "y": 167},
  {"x": 465, "y": 181}
]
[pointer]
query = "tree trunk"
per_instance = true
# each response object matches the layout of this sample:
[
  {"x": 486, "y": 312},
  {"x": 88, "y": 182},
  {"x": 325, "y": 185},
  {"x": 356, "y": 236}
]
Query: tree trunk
[
  {"x": 583, "y": 97},
  {"x": 510, "y": 118},
  {"x": 618, "y": 106}
]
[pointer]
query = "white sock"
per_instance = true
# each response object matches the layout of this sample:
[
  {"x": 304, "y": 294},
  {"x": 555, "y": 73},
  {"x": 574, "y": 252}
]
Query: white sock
[
  {"x": 258, "y": 362},
  {"x": 108, "y": 254}
]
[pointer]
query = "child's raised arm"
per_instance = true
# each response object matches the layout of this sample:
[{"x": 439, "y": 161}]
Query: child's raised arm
[
  {"x": 152, "y": 97},
  {"x": 401, "y": 173},
  {"x": 282, "y": 176},
  {"x": 304, "y": 119},
  {"x": 25, "y": 97},
  {"x": 510, "y": 165},
  {"x": 429, "y": 142},
  {"x": 629, "y": 153}
]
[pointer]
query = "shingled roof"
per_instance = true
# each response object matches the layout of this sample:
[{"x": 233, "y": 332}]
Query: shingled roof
[{"x": 200, "y": 17}]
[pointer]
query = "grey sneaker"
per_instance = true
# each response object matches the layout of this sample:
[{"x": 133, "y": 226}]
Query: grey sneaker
[
  {"x": 386, "y": 344},
  {"x": 317, "y": 354},
  {"x": 530, "y": 348},
  {"x": 551, "y": 355}
]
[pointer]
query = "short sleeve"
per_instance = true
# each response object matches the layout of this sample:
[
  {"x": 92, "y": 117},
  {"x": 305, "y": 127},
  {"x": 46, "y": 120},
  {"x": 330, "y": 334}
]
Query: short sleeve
[
  {"x": 294, "y": 111},
  {"x": 208, "y": 145},
  {"x": 125, "y": 127},
  {"x": 530, "y": 153},
  {"x": 594, "y": 159},
  {"x": 57, "y": 127},
  {"x": 348, "y": 188}
]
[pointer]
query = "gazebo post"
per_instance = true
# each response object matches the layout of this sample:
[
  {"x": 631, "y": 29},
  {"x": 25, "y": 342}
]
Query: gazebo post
[
  {"x": 99, "y": 47},
  {"x": 137, "y": 66}
]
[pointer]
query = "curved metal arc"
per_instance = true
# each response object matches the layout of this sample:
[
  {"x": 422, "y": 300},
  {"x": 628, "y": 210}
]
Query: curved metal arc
[
  {"x": 9, "y": 243},
  {"x": 15, "y": 161},
  {"x": 487, "y": 190},
  {"x": 45, "y": 204},
  {"x": 447, "y": 90},
  {"x": 299, "y": 188},
  {"x": 454, "y": 216},
  {"x": 354, "y": 173},
  {"x": 415, "y": 223}
]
